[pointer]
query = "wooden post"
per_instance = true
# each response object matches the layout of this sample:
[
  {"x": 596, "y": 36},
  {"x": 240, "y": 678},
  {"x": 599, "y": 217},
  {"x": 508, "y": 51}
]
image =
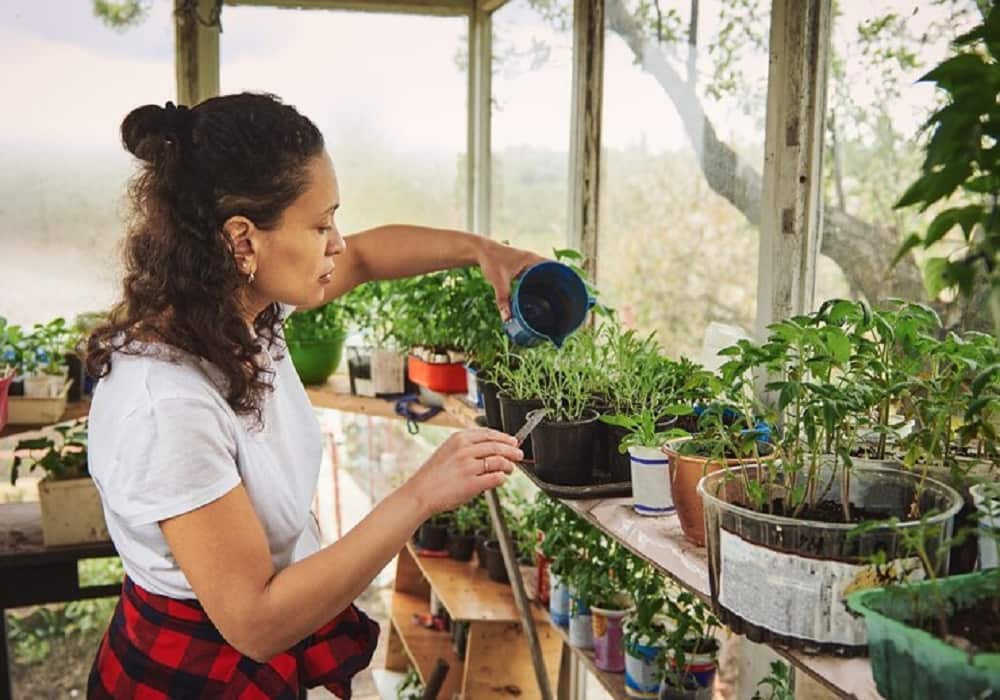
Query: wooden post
[
  {"x": 197, "y": 25},
  {"x": 585, "y": 130},
  {"x": 520, "y": 597},
  {"x": 792, "y": 196},
  {"x": 479, "y": 177}
]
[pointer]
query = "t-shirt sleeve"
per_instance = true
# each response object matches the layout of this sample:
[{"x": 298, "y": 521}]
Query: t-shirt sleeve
[{"x": 173, "y": 457}]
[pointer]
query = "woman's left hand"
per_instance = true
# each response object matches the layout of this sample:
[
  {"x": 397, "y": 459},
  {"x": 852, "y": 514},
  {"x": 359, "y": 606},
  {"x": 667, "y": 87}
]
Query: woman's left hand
[{"x": 501, "y": 264}]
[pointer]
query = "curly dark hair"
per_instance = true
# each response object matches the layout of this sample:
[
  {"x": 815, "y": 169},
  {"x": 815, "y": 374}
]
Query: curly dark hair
[{"x": 245, "y": 154}]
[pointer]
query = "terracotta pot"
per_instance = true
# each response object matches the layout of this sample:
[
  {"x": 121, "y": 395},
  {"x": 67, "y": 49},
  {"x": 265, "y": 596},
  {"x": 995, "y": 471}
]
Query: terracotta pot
[{"x": 685, "y": 473}]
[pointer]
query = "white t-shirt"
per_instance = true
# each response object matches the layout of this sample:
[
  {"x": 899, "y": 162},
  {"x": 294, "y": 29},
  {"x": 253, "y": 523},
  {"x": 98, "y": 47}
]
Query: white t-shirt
[{"x": 163, "y": 441}]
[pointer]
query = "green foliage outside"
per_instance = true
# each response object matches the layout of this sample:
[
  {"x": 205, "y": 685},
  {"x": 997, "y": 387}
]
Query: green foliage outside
[{"x": 33, "y": 632}]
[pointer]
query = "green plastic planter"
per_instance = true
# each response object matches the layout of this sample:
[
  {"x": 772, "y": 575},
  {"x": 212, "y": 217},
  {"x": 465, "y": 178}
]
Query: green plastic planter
[
  {"x": 316, "y": 360},
  {"x": 912, "y": 664}
]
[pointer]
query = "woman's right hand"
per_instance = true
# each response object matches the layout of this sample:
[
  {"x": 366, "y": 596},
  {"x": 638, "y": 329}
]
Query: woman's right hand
[{"x": 466, "y": 464}]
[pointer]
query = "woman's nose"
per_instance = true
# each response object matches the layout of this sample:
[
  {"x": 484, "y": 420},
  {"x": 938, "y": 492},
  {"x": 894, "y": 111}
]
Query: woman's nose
[{"x": 336, "y": 244}]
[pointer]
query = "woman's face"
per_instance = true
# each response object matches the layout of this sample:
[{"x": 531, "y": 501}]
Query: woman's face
[{"x": 295, "y": 260}]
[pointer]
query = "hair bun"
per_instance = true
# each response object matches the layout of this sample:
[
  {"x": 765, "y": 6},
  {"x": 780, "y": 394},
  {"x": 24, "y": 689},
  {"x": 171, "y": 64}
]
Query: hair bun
[{"x": 148, "y": 129}]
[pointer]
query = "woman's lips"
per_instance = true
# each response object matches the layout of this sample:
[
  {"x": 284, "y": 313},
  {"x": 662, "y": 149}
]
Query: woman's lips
[{"x": 326, "y": 276}]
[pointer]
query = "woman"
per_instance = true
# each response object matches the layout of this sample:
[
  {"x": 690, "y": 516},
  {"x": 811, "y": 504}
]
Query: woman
[{"x": 203, "y": 444}]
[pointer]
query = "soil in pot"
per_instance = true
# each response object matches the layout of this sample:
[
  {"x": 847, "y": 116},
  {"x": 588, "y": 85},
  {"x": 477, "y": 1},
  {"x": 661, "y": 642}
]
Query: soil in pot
[
  {"x": 461, "y": 547},
  {"x": 564, "y": 451},
  {"x": 513, "y": 413},
  {"x": 820, "y": 562},
  {"x": 495, "y": 568}
]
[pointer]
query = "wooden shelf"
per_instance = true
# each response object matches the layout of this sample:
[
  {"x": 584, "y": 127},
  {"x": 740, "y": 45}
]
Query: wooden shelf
[
  {"x": 466, "y": 591},
  {"x": 425, "y": 646},
  {"x": 661, "y": 542},
  {"x": 77, "y": 409},
  {"x": 335, "y": 394}
]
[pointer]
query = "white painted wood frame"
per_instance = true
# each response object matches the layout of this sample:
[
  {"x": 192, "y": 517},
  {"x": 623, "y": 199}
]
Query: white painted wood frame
[
  {"x": 196, "y": 50},
  {"x": 479, "y": 176},
  {"x": 791, "y": 209},
  {"x": 585, "y": 130}
]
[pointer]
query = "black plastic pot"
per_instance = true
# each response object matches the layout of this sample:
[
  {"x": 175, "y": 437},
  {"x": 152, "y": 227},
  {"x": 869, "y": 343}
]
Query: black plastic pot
[
  {"x": 358, "y": 367},
  {"x": 78, "y": 374},
  {"x": 482, "y": 537},
  {"x": 491, "y": 404},
  {"x": 512, "y": 414},
  {"x": 564, "y": 452},
  {"x": 495, "y": 569},
  {"x": 460, "y": 547},
  {"x": 433, "y": 536}
]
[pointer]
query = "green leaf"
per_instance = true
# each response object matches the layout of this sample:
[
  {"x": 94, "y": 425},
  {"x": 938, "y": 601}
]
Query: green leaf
[
  {"x": 966, "y": 217},
  {"x": 959, "y": 70},
  {"x": 934, "y": 276},
  {"x": 983, "y": 184},
  {"x": 839, "y": 345},
  {"x": 914, "y": 193},
  {"x": 984, "y": 378},
  {"x": 909, "y": 244}
]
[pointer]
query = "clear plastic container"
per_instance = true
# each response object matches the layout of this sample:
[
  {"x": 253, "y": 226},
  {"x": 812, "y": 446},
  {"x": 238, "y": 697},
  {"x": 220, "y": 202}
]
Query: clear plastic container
[{"x": 783, "y": 581}]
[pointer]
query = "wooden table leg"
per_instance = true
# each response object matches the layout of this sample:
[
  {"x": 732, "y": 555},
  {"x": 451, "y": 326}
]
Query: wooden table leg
[{"x": 520, "y": 597}]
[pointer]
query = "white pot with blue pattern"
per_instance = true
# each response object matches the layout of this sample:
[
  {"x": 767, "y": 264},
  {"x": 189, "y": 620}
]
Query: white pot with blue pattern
[{"x": 650, "y": 481}]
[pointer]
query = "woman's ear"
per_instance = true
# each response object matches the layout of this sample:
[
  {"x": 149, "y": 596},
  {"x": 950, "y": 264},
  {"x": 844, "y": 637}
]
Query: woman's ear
[{"x": 240, "y": 231}]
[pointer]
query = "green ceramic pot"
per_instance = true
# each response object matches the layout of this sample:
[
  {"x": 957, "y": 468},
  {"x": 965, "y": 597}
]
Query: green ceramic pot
[
  {"x": 910, "y": 663},
  {"x": 316, "y": 360}
]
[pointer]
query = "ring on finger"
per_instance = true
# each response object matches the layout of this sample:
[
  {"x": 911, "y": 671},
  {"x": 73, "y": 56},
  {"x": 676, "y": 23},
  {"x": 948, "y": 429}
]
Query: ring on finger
[{"x": 486, "y": 468}]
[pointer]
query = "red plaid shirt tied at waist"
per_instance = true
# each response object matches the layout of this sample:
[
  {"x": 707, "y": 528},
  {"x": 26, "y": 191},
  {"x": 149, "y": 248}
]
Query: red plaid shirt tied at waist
[{"x": 159, "y": 647}]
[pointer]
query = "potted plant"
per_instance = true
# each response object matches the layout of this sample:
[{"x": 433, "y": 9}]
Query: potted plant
[
  {"x": 796, "y": 517},
  {"x": 577, "y": 542},
  {"x": 563, "y": 443},
  {"x": 650, "y": 475},
  {"x": 315, "y": 340},
  {"x": 433, "y": 532},
  {"x": 645, "y": 630},
  {"x": 721, "y": 441},
  {"x": 936, "y": 637},
  {"x": 520, "y": 377},
  {"x": 604, "y": 590},
  {"x": 377, "y": 368},
  {"x": 637, "y": 379},
  {"x": 461, "y": 534},
  {"x": 43, "y": 360},
  {"x": 556, "y": 546},
  {"x": 691, "y": 654},
  {"x": 71, "y": 506}
]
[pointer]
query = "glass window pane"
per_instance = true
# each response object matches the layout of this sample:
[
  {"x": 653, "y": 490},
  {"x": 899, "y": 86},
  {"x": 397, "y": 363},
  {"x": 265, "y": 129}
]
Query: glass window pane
[
  {"x": 387, "y": 91},
  {"x": 873, "y": 152},
  {"x": 67, "y": 85},
  {"x": 532, "y": 78},
  {"x": 683, "y": 151}
]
